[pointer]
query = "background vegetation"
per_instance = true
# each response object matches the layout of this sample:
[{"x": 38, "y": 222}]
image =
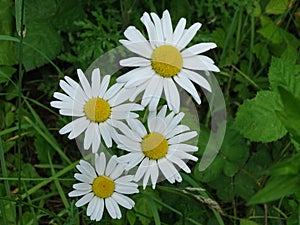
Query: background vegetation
[{"x": 254, "y": 179}]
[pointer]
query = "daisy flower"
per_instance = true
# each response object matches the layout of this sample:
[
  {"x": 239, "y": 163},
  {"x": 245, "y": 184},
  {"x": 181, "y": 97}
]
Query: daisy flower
[
  {"x": 159, "y": 150},
  {"x": 102, "y": 187},
  {"x": 97, "y": 109},
  {"x": 164, "y": 60}
]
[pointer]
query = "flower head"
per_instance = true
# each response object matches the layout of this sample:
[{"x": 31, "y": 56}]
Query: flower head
[
  {"x": 164, "y": 60},
  {"x": 102, "y": 187},
  {"x": 97, "y": 109},
  {"x": 161, "y": 148}
]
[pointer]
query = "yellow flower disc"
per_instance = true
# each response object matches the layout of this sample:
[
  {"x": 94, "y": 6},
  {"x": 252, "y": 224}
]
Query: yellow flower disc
[
  {"x": 97, "y": 110},
  {"x": 154, "y": 145},
  {"x": 166, "y": 60},
  {"x": 103, "y": 186}
]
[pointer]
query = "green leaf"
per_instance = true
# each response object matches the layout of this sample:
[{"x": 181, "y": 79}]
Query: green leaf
[
  {"x": 36, "y": 10},
  {"x": 68, "y": 12},
  {"x": 275, "y": 188},
  {"x": 247, "y": 222},
  {"x": 5, "y": 73},
  {"x": 256, "y": 118},
  {"x": 8, "y": 49},
  {"x": 42, "y": 36},
  {"x": 262, "y": 53},
  {"x": 277, "y": 6},
  {"x": 283, "y": 72},
  {"x": 211, "y": 172},
  {"x": 270, "y": 31},
  {"x": 289, "y": 116},
  {"x": 42, "y": 149}
]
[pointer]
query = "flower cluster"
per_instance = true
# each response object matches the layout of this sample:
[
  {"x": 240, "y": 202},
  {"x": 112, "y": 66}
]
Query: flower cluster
[{"x": 151, "y": 149}]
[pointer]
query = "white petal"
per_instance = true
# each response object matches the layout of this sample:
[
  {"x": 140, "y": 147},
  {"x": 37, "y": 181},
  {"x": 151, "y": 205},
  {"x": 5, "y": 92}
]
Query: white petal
[
  {"x": 91, "y": 206},
  {"x": 150, "y": 90},
  {"x": 104, "y": 85},
  {"x": 88, "y": 168},
  {"x": 183, "y": 147},
  {"x": 96, "y": 82},
  {"x": 168, "y": 169},
  {"x": 84, "y": 200},
  {"x": 138, "y": 127},
  {"x": 188, "y": 35},
  {"x": 77, "y": 193},
  {"x": 157, "y": 124},
  {"x": 156, "y": 96},
  {"x": 150, "y": 29},
  {"x": 182, "y": 137},
  {"x": 82, "y": 186},
  {"x": 79, "y": 125},
  {"x": 83, "y": 178},
  {"x": 71, "y": 112},
  {"x": 158, "y": 28},
  {"x": 196, "y": 78},
  {"x": 96, "y": 209},
  {"x": 135, "y": 36},
  {"x": 135, "y": 61},
  {"x": 126, "y": 189},
  {"x": 183, "y": 155},
  {"x": 96, "y": 140},
  {"x": 131, "y": 158},
  {"x": 172, "y": 95},
  {"x": 133, "y": 73},
  {"x": 125, "y": 180},
  {"x": 111, "y": 165},
  {"x": 89, "y": 135},
  {"x": 179, "y": 129},
  {"x": 113, "y": 90},
  {"x": 199, "y": 62},
  {"x": 187, "y": 85},
  {"x": 174, "y": 121},
  {"x": 62, "y": 97},
  {"x": 118, "y": 170},
  {"x": 162, "y": 112},
  {"x": 101, "y": 210},
  {"x": 178, "y": 162},
  {"x": 140, "y": 48},
  {"x": 111, "y": 208},
  {"x": 85, "y": 84},
  {"x": 100, "y": 163},
  {"x": 123, "y": 200},
  {"x": 105, "y": 130},
  {"x": 154, "y": 172},
  {"x": 141, "y": 169},
  {"x": 198, "y": 49},
  {"x": 135, "y": 146},
  {"x": 178, "y": 32},
  {"x": 167, "y": 27},
  {"x": 125, "y": 130},
  {"x": 140, "y": 79},
  {"x": 67, "y": 88}
]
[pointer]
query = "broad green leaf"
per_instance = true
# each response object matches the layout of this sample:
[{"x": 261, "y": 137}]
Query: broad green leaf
[
  {"x": 36, "y": 10},
  {"x": 41, "y": 36},
  {"x": 247, "y": 222},
  {"x": 256, "y": 118},
  {"x": 67, "y": 13},
  {"x": 283, "y": 72},
  {"x": 277, "y": 6},
  {"x": 262, "y": 53},
  {"x": 42, "y": 149},
  {"x": 8, "y": 49},
  {"x": 275, "y": 188},
  {"x": 270, "y": 31},
  {"x": 290, "y": 115},
  {"x": 5, "y": 73}
]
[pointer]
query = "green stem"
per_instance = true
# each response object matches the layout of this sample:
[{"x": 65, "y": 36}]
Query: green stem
[{"x": 20, "y": 79}]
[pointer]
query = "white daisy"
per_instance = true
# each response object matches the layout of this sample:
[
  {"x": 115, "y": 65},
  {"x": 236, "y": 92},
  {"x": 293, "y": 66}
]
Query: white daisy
[
  {"x": 160, "y": 149},
  {"x": 96, "y": 108},
  {"x": 103, "y": 186},
  {"x": 165, "y": 59}
]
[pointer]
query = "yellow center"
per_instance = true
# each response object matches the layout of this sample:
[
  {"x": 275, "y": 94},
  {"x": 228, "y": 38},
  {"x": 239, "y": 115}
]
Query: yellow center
[
  {"x": 97, "y": 110},
  {"x": 103, "y": 186},
  {"x": 166, "y": 60},
  {"x": 154, "y": 145}
]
